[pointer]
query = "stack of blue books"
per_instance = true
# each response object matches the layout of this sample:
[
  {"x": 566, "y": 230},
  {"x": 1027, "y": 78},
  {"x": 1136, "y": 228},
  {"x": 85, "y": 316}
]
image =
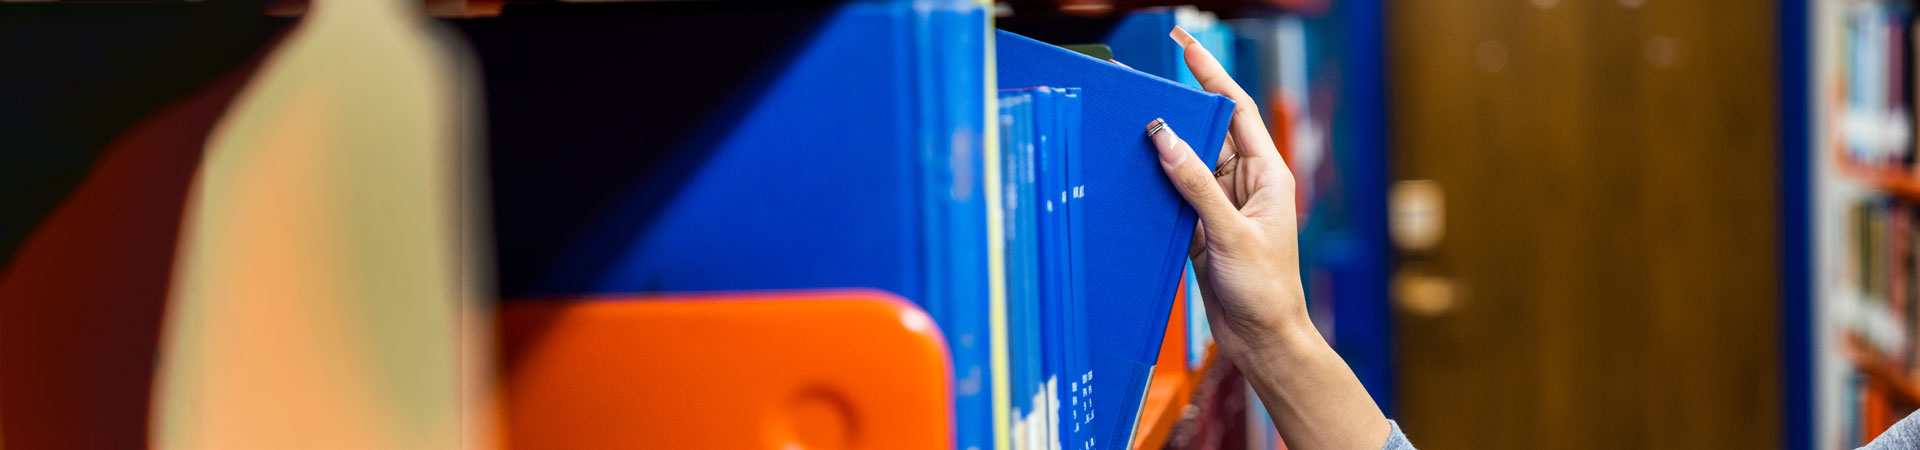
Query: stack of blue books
[
  {"x": 1039, "y": 139},
  {"x": 1131, "y": 234},
  {"x": 638, "y": 148},
  {"x": 847, "y": 145}
]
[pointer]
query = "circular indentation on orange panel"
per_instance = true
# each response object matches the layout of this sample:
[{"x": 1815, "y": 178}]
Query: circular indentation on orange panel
[{"x": 818, "y": 418}]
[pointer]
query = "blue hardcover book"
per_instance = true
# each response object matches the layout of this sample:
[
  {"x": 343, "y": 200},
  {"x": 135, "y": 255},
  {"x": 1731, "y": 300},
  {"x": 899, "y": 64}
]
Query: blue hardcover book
[
  {"x": 1031, "y": 197},
  {"x": 809, "y": 146},
  {"x": 1137, "y": 226},
  {"x": 1199, "y": 332},
  {"x": 1016, "y": 139},
  {"x": 1142, "y": 37},
  {"x": 1077, "y": 429},
  {"x": 954, "y": 53},
  {"x": 1043, "y": 143},
  {"x": 1050, "y": 172},
  {"x": 1140, "y": 41}
]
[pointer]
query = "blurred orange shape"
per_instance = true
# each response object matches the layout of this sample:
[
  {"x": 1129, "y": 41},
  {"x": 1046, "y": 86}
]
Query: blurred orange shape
[{"x": 853, "y": 369}]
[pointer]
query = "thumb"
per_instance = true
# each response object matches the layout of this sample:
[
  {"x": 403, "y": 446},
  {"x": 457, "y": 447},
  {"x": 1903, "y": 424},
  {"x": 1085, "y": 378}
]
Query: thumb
[{"x": 1192, "y": 179}]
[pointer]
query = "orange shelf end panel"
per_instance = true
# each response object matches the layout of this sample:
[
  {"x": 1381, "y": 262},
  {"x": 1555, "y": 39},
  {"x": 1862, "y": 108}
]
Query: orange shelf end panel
[
  {"x": 842, "y": 369},
  {"x": 1169, "y": 391}
]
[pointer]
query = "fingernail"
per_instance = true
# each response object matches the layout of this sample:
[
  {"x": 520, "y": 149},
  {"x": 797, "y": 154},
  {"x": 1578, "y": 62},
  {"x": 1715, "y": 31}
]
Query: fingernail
[
  {"x": 1164, "y": 138},
  {"x": 1180, "y": 35}
]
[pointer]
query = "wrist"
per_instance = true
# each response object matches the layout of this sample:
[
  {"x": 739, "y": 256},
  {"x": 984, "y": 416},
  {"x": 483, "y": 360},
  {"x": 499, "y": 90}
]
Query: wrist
[
  {"x": 1286, "y": 337},
  {"x": 1288, "y": 341}
]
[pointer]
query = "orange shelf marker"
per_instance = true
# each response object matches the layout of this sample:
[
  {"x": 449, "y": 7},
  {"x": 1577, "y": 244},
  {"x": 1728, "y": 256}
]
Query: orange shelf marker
[{"x": 852, "y": 369}]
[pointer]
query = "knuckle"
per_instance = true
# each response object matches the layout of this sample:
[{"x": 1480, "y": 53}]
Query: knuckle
[
  {"x": 1245, "y": 107},
  {"x": 1196, "y": 183}
]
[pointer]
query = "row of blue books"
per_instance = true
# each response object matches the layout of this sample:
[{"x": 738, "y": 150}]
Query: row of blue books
[
  {"x": 849, "y": 145},
  {"x": 1132, "y": 233},
  {"x": 1040, "y": 174},
  {"x": 1876, "y": 114}
]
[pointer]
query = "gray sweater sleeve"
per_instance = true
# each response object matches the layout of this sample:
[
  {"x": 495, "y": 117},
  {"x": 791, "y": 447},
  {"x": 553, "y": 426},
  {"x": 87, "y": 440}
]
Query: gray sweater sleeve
[
  {"x": 1904, "y": 435},
  {"x": 1398, "y": 441}
]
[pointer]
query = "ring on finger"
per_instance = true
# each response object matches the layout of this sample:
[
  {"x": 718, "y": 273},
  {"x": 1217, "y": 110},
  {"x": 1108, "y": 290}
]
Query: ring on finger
[{"x": 1226, "y": 166}]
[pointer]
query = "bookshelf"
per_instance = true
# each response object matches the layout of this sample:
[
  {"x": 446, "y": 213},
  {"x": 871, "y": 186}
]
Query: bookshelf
[
  {"x": 1890, "y": 182},
  {"x": 1317, "y": 75},
  {"x": 1901, "y": 386},
  {"x": 1336, "y": 55},
  {"x": 1851, "y": 195},
  {"x": 558, "y": 94}
]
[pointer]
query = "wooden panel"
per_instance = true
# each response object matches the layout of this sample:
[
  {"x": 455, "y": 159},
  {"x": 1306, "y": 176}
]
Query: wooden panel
[{"x": 1609, "y": 173}]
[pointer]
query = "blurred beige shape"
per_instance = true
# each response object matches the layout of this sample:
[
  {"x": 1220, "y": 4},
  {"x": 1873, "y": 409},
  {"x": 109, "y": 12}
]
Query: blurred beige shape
[
  {"x": 1424, "y": 294},
  {"x": 1418, "y": 215},
  {"x": 324, "y": 279}
]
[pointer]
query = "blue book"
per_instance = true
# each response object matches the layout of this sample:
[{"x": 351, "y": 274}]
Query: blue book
[
  {"x": 1050, "y": 171},
  {"x": 1040, "y": 149},
  {"x": 1137, "y": 226},
  {"x": 1140, "y": 41},
  {"x": 1058, "y": 127},
  {"x": 1199, "y": 332},
  {"x": 1077, "y": 429},
  {"x": 808, "y": 146},
  {"x": 1031, "y": 242},
  {"x": 1016, "y": 143}
]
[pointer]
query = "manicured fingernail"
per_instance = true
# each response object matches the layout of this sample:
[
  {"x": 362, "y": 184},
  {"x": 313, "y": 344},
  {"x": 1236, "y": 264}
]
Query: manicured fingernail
[
  {"x": 1180, "y": 35},
  {"x": 1164, "y": 138}
]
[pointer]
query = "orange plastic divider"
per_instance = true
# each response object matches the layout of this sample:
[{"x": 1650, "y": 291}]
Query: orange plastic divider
[
  {"x": 847, "y": 369},
  {"x": 1171, "y": 388}
]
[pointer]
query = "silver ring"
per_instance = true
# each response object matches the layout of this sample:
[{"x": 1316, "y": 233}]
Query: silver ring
[
  {"x": 1223, "y": 168},
  {"x": 1157, "y": 126}
]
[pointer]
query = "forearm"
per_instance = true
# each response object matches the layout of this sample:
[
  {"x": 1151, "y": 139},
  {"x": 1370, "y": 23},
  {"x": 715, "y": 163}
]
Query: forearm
[{"x": 1314, "y": 398}]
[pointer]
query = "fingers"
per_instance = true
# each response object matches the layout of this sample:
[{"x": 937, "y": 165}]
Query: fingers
[
  {"x": 1249, "y": 132},
  {"x": 1192, "y": 178}
]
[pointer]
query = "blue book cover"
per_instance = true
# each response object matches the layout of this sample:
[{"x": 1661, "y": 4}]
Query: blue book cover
[
  {"x": 824, "y": 146},
  {"x": 1076, "y": 430},
  {"x": 1016, "y": 144},
  {"x": 1140, "y": 41},
  {"x": 1050, "y": 172},
  {"x": 954, "y": 54},
  {"x": 1042, "y": 146},
  {"x": 1031, "y": 199},
  {"x": 1142, "y": 36},
  {"x": 1137, "y": 226},
  {"x": 1031, "y": 243},
  {"x": 1199, "y": 332}
]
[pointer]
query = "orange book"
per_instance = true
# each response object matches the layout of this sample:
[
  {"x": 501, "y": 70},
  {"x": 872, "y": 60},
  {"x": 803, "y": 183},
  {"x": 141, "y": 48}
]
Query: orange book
[{"x": 1874, "y": 411}]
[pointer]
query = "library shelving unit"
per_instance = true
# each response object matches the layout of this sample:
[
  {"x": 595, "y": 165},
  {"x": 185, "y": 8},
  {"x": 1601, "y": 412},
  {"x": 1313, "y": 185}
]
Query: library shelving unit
[
  {"x": 1320, "y": 84},
  {"x": 1316, "y": 67},
  {"x": 1850, "y": 194}
]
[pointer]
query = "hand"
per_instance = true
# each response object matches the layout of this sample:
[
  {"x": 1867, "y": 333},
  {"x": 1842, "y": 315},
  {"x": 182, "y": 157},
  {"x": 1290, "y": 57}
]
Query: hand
[
  {"x": 1245, "y": 250},
  {"x": 1247, "y": 258}
]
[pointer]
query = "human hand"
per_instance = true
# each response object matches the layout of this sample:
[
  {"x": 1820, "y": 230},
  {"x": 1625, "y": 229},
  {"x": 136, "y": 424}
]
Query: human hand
[{"x": 1245, "y": 250}]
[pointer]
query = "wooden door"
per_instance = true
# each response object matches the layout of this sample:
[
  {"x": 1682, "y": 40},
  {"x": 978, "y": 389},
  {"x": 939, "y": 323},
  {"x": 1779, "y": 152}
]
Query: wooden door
[{"x": 1606, "y": 275}]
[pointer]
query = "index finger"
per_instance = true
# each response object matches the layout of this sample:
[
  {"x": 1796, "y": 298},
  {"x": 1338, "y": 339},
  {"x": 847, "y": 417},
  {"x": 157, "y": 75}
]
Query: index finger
[{"x": 1249, "y": 132}]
